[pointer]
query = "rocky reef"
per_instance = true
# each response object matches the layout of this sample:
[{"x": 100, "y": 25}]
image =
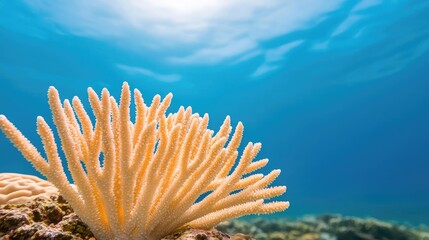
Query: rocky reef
[
  {"x": 324, "y": 227},
  {"x": 53, "y": 218},
  {"x": 42, "y": 218}
]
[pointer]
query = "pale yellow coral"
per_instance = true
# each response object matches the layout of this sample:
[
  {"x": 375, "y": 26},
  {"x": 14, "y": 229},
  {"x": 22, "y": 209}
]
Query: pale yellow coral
[
  {"x": 20, "y": 188},
  {"x": 144, "y": 178}
]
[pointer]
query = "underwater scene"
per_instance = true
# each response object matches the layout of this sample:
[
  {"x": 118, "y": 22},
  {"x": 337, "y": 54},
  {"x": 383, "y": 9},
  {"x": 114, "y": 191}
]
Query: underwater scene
[{"x": 214, "y": 119}]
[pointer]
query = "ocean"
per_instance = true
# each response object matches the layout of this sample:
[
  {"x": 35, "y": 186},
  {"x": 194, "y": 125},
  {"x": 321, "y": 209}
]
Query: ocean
[{"x": 336, "y": 91}]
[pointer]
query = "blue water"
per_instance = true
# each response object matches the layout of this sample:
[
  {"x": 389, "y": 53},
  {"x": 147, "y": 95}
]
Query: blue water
[{"x": 337, "y": 91}]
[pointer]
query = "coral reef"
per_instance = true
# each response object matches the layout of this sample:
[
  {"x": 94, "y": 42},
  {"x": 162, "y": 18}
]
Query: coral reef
[
  {"x": 53, "y": 218},
  {"x": 324, "y": 227},
  {"x": 144, "y": 179}
]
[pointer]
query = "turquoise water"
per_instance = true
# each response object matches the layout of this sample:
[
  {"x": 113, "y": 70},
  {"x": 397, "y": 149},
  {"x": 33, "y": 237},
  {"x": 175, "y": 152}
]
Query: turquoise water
[{"x": 337, "y": 91}]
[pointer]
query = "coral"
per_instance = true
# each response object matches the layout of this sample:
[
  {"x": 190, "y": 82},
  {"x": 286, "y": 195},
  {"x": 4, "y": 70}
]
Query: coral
[
  {"x": 147, "y": 178},
  {"x": 20, "y": 188},
  {"x": 323, "y": 227}
]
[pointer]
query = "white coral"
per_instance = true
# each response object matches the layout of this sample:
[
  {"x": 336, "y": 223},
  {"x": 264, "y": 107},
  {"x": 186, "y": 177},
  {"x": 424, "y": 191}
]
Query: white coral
[{"x": 145, "y": 179}]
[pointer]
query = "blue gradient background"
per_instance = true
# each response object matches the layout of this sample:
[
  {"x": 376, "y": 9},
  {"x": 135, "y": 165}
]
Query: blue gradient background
[{"x": 339, "y": 98}]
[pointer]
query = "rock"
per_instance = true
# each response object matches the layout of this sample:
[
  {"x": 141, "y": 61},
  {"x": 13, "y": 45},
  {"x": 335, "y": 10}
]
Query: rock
[
  {"x": 261, "y": 236},
  {"x": 327, "y": 236},
  {"x": 294, "y": 234},
  {"x": 42, "y": 218},
  {"x": 277, "y": 236},
  {"x": 53, "y": 218},
  {"x": 325, "y": 227},
  {"x": 310, "y": 236},
  {"x": 241, "y": 236},
  {"x": 196, "y": 234}
]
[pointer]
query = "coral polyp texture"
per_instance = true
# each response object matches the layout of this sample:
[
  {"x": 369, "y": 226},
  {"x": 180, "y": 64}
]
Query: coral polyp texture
[{"x": 146, "y": 177}]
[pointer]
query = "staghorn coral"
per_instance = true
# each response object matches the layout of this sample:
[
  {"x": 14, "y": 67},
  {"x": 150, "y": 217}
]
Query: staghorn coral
[{"x": 144, "y": 179}]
